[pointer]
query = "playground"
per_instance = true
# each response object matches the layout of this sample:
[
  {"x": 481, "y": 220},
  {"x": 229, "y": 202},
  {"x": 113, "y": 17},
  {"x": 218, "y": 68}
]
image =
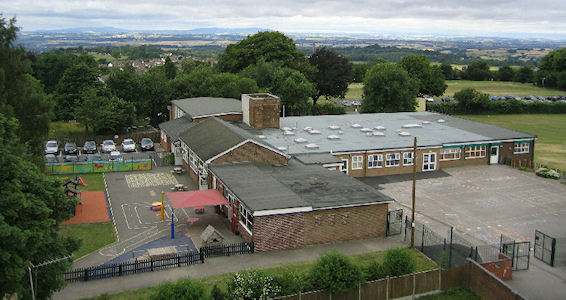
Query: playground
[{"x": 93, "y": 209}]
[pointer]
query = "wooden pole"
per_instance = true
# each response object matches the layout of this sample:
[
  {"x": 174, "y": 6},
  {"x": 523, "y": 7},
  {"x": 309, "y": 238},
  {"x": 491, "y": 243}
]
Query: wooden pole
[{"x": 414, "y": 192}]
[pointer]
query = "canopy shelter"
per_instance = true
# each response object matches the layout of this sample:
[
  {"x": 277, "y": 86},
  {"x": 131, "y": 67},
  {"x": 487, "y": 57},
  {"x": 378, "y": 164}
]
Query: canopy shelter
[{"x": 196, "y": 199}]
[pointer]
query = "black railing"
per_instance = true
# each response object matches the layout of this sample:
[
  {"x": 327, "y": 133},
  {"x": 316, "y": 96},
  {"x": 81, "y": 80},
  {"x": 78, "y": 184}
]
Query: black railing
[{"x": 228, "y": 249}]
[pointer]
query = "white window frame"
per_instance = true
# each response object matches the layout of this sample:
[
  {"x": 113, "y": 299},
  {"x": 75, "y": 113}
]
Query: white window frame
[
  {"x": 178, "y": 113},
  {"x": 357, "y": 162},
  {"x": 375, "y": 161},
  {"x": 246, "y": 218},
  {"x": 520, "y": 148},
  {"x": 344, "y": 166},
  {"x": 185, "y": 152},
  {"x": 450, "y": 154},
  {"x": 408, "y": 158},
  {"x": 428, "y": 164},
  {"x": 395, "y": 162},
  {"x": 475, "y": 152}
]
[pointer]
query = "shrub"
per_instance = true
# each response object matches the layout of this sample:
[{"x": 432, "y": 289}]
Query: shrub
[
  {"x": 336, "y": 272},
  {"x": 399, "y": 261},
  {"x": 291, "y": 283},
  {"x": 547, "y": 173},
  {"x": 182, "y": 289},
  {"x": 217, "y": 293},
  {"x": 252, "y": 285},
  {"x": 170, "y": 158},
  {"x": 375, "y": 271},
  {"x": 327, "y": 108}
]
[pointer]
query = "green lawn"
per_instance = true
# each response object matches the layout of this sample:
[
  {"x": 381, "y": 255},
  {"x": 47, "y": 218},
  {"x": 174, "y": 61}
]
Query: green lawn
[
  {"x": 66, "y": 129},
  {"x": 93, "y": 235},
  {"x": 500, "y": 88},
  {"x": 94, "y": 181},
  {"x": 423, "y": 264},
  {"x": 550, "y": 147}
]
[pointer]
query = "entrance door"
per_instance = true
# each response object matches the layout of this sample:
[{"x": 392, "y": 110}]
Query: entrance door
[
  {"x": 494, "y": 155},
  {"x": 429, "y": 162},
  {"x": 344, "y": 167},
  {"x": 178, "y": 155}
]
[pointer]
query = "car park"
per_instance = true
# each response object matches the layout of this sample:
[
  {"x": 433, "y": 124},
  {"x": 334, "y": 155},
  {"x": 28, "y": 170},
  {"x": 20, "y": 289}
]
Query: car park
[
  {"x": 115, "y": 156},
  {"x": 70, "y": 148},
  {"x": 93, "y": 157},
  {"x": 108, "y": 146},
  {"x": 445, "y": 99},
  {"x": 51, "y": 147},
  {"x": 71, "y": 158},
  {"x": 146, "y": 144},
  {"x": 51, "y": 158},
  {"x": 128, "y": 145},
  {"x": 89, "y": 147}
]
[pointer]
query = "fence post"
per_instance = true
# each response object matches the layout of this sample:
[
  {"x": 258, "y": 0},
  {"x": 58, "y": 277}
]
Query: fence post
[
  {"x": 120, "y": 270},
  {"x": 476, "y": 253},
  {"x": 201, "y": 257},
  {"x": 387, "y": 289},
  {"x": 414, "y": 285},
  {"x": 450, "y": 252},
  {"x": 178, "y": 261},
  {"x": 422, "y": 240},
  {"x": 86, "y": 274}
]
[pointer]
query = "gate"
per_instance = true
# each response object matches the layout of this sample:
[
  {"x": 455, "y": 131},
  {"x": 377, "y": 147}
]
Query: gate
[
  {"x": 394, "y": 222},
  {"x": 519, "y": 252},
  {"x": 159, "y": 159},
  {"x": 545, "y": 247}
]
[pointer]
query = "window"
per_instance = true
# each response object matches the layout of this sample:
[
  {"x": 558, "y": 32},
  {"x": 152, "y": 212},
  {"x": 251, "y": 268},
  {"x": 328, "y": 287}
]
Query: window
[
  {"x": 375, "y": 161},
  {"x": 519, "y": 148},
  {"x": 475, "y": 151},
  {"x": 246, "y": 218},
  {"x": 185, "y": 153},
  {"x": 392, "y": 159},
  {"x": 178, "y": 113},
  {"x": 450, "y": 153},
  {"x": 408, "y": 158},
  {"x": 193, "y": 161},
  {"x": 357, "y": 162}
]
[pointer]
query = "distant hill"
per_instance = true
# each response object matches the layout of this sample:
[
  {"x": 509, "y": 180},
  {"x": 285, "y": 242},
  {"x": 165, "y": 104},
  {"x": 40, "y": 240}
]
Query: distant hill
[{"x": 211, "y": 30}]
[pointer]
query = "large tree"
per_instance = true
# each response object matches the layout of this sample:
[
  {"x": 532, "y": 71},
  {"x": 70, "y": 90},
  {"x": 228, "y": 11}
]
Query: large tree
[
  {"x": 389, "y": 88},
  {"x": 471, "y": 101},
  {"x": 155, "y": 95},
  {"x": 478, "y": 71},
  {"x": 74, "y": 81},
  {"x": 266, "y": 45},
  {"x": 32, "y": 207},
  {"x": 125, "y": 84},
  {"x": 525, "y": 74},
  {"x": 505, "y": 73},
  {"x": 294, "y": 89},
  {"x": 334, "y": 73},
  {"x": 430, "y": 78},
  {"x": 50, "y": 67}
]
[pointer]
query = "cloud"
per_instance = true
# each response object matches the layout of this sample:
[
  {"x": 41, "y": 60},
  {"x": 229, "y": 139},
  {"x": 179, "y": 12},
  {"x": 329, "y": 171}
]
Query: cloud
[{"x": 476, "y": 17}]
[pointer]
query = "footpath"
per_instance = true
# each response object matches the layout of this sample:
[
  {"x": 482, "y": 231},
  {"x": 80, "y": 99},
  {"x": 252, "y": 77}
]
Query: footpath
[{"x": 226, "y": 264}]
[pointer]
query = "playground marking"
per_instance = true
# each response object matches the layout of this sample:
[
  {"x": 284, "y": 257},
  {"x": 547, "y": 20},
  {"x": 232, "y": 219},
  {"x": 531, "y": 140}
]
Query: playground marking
[{"x": 150, "y": 179}]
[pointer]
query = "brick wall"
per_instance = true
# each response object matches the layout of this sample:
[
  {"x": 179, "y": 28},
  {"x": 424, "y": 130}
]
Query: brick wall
[
  {"x": 279, "y": 232},
  {"x": 264, "y": 113},
  {"x": 486, "y": 285},
  {"x": 192, "y": 174},
  {"x": 165, "y": 144},
  {"x": 502, "y": 268},
  {"x": 228, "y": 117},
  {"x": 464, "y": 162},
  {"x": 506, "y": 150},
  {"x": 253, "y": 153}
]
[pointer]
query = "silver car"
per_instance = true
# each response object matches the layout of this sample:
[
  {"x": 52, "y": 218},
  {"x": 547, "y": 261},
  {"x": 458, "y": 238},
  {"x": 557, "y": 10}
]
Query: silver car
[
  {"x": 128, "y": 145},
  {"x": 108, "y": 146},
  {"x": 51, "y": 147}
]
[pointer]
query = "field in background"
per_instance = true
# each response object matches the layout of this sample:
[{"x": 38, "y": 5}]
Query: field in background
[
  {"x": 550, "y": 147},
  {"x": 500, "y": 88}
]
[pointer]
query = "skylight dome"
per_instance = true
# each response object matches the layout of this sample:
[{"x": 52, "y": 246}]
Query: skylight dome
[
  {"x": 288, "y": 132},
  {"x": 333, "y": 127},
  {"x": 261, "y": 136},
  {"x": 308, "y": 128},
  {"x": 404, "y": 133},
  {"x": 300, "y": 140},
  {"x": 379, "y": 128},
  {"x": 286, "y": 128},
  {"x": 311, "y": 146},
  {"x": 441, "y": 121},
  {"x": 412, "y": 126},
  {"x": 356, "y": 125},
  {"x": 365, "y": 129},
  {"x": 333, "y": 137},
  {"x": 314, "y": 131},
  {"x": 281, "y": 148},
  {"x": 378, "y": 133}
]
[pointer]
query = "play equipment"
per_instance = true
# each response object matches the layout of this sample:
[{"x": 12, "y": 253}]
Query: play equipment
[
  {"x": 155, "y": 206},
  {"x": 80, "y": 178}
]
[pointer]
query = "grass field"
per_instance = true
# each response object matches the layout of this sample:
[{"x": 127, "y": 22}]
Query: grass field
[
  {"x": 500, "y": 88},
  {"x": 550, "y": 147},
  {"x": 423, "y": 264},
  {"x": 66, "y": 129},
  {"x": 94, "y": 181},
  {"x": 93, "y": 235}
]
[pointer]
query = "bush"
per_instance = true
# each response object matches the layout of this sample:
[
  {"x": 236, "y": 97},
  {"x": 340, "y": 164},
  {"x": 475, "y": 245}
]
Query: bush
[
  {"x": 252, "y": 285},
  {"x": 327, "y": 108},
  {"x": 336, "y": 272},
  {"x": 217, "y": 293},
  {"x": 291, "y": 283},
  {"x": 500, "y": 107},
  {"x": 399, "y": 261},
  {"x": 182, "y": 289},
  {"x": 375, "y": 271},
  {"x": 170, "y": 158},
  {"x": 547, "y": 173}
]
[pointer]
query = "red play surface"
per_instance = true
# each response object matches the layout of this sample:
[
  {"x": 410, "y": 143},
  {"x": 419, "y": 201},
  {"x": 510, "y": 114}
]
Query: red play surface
[
  {"x": 93, "y": 209},
  {"x": 197, "y": 199}
]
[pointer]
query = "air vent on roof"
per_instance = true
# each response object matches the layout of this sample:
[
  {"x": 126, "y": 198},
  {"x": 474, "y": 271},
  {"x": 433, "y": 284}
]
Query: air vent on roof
[
  {"x": 288, "y": 133},
  {"x": 412, "y": 126},
  {"x": 378, "y": 133},
  {"x": 300, "y": 140},
  {"x": 333, "y": 137},
  {"x": 426, "y": 122},
  {"x": 356, "y": 125},
  {"x": 308, "y": 128},
  {"x": 281, "y": 148},
  {"x": 286, "y": 128},
  {"x": 261, "y": 136},
  {"x": 365, "y": 129},
  {"x": 404, "y": 133},
  {"x": 314, "y": 131},
  {"x": 311, "y": 146},
  {"x": 379, "y": 128},
  {"x": 441, "y": 121},
  {"x": 333, "y": 127},
  {"x": 368, "y": 133},
  {"x": 340, "y": 132}
]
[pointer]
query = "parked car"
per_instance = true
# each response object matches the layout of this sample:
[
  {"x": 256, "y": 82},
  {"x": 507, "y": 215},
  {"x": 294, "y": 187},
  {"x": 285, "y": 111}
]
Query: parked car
[
  {"x": 128, "y": 145},
  {"x": 89, "y": 147},
  {"x": 429, "y": 99},
  {"x": 445, "y": 99},
  {"x": 108, "y": 146},
  {"x": 71, "y": 158},
  {"x": 93, "y": 157},
  {"x": 115, "y": 156},
  {"x": 146, "y": 144},
  {"x": 51, "y": 147},
  {"x": 70, "y": 148},
  {"x": 51, "y": 158}
]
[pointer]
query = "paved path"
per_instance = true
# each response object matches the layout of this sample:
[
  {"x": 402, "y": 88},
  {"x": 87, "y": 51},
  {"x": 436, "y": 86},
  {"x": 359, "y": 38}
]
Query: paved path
[{"x": 219, "y": 265}]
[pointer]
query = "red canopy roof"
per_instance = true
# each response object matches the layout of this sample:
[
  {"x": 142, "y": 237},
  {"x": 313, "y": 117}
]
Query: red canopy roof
[{"x": 196, "y": 198}]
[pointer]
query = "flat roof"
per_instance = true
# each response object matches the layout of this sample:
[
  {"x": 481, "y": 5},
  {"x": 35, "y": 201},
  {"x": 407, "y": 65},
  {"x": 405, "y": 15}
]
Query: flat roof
[
  {"x": 266, "y": 187},
  {"x": 380, "y": 131},
  {"x": 208, "y": 106}
]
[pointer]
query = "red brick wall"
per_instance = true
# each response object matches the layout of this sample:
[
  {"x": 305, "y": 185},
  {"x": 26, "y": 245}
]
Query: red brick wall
[
  {"x": 264, "y": 113},
  {"x": 506, "y": 150},
  {"x": 279, "y": 232},
  {"x": 253, "y": 153},
  {"x": 502, "y": 268},
  {"x": 486, "y": 285}
]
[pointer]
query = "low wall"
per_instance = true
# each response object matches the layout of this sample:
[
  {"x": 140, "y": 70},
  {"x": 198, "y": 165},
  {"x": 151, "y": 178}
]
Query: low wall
[
  {"x": 98, "y": 166},
  {"x": 502, "y": 268},
  {"x": 486, "y": 285}
]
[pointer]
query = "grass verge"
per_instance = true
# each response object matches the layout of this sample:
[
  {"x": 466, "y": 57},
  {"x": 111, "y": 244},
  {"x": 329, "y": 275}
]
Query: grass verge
[
  {"x": 93, "y": 235},
  {"x": 500, "y": 88},
  {"x": 550, "y": 147}
]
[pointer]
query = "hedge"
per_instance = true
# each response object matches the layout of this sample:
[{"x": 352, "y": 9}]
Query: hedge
[{"x": 502, "y": 107}]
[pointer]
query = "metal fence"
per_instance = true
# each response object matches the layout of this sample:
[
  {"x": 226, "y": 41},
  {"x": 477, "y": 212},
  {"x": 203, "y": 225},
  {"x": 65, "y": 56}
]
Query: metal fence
[
  {"x": 530, "y": 164},
  {"x": 227, "y": 249}
]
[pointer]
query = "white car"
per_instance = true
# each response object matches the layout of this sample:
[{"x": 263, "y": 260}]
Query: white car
[
  {"x": 115, "y": 156},
  {"x": 128, "y": 145},
  {"x": 108, "y": 146},
  {"x": 51, "y": 147}
]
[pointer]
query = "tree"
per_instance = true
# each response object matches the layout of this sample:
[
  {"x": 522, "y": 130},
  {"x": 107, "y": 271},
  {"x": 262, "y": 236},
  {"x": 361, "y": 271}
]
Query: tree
[
  {"x": 335, "y": 271},
  {"x": 447, "y": 71},
  {"x": 334, "y": 73},
  {"x": 430, "y": 79},
  {"x": 471, "y": 101},
  {"x": 126, "y": 84},
  {"x": 505, "y": 73},
  {"x": 294, "y": 89},
  {"x": 266, "y": 45},
  {"x": 50, "y": 67},
  {"x": 32, "y": 207},
  {"x": 359, "y": 71},
  {"x": 525, "y": 74},
  {"x": 155, "y": 96},
  {"x": 389, "y": 88},
  {"x": 399, "y": 261},
  {"x": 478, "y": 71},
  {"x": 170, "y": 68},
  {"x": 74, "y": 81},
  {"x": 230, "y": 86}
]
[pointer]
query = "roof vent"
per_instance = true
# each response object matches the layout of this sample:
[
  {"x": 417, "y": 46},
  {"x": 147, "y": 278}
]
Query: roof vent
[
  {"x": 441, "y": 121},
  {"x": 340, "y": 132},
  {"x": 356, "y": 125},
  {"x": 281, "y": 148},
  {"x": 426, "y": 122},
  {"x": 334, "y": 137},
  {"x": 307, "y": 129},
  {"x": 311, "y": 146},
  {"x": 379, "y": 128},
  {"x": 288, "y": 132},
  {"x": 365, "y": 129},
  {"x": 368, "y": 133},
  {"x": 300, "y": 140},
  {"x": 378, "y": 133},
  {"x": 404, "y": 133},
  {"x": 261, "y": 136},
  {"x": 286, "y": 128},
  {"x": 314, "y": 131},
  {"x": 412, "y": 126},
  {"x": 333, "y": 127}
]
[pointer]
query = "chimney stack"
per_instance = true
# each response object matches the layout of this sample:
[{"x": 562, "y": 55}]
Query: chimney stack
[{"x": 261, "y": 110}]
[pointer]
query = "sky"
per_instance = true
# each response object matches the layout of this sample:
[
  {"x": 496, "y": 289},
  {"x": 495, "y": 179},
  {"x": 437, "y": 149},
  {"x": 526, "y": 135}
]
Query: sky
[{"x": 427, "y": 17}]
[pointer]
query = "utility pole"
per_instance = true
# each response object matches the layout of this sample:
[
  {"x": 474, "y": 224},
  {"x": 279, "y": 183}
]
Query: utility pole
[
  {"x": 45, "y": 263},
  {"x": 414, "y": 193}
]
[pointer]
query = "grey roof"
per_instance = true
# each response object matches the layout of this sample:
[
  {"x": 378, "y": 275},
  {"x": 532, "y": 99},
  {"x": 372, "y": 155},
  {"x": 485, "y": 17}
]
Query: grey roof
[
  {"x": 207, "y": 106},
  {"x": 318, "y": 158},
  {"x": 265, "y": 187},
  {"x": 348, "y": 138},
  {"x": 213, "y": 136},
  {"x": 175, "y": 127}
]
